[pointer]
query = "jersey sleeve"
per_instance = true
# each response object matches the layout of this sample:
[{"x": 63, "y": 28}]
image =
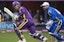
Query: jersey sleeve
[
  {"x": 55, "y": 14},
  {"x": 52, "y": 14},
  {"x": 24, "y": 10}
]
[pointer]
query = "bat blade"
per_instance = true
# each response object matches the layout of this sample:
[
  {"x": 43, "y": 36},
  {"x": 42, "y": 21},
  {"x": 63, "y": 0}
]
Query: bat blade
[{"x": 8, "y": 11}]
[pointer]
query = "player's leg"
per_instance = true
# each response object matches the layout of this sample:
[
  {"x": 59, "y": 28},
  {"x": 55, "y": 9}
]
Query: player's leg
[
  {"x": 19, "y": 34},
  {"x": 55, "y": 31},
  {"x": 32, "y": 30},
  {"x": 57, "y": 37},
  {"x": 60, "y": 36}
]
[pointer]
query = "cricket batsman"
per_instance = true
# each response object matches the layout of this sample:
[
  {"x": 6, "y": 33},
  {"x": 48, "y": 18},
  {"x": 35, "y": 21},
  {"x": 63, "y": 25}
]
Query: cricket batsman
[
  {"x": 55, "y": 22},
  {"x": 25, "y": 21}
]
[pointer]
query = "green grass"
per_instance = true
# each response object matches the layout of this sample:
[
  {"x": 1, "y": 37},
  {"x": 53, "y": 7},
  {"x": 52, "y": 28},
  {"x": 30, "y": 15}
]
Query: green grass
[{"x": 12, "y": 37}]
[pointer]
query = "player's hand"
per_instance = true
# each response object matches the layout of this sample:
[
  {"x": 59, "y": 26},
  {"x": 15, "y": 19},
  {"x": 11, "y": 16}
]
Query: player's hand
[
  {"x": 24, "y": 20},
  {"x": 48, "y": 24},
  {"x": 15, "y": 17}
]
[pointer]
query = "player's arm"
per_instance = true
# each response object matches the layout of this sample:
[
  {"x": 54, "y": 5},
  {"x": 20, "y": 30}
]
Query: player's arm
[
  {"x": 51, "y": 20},
  {"x": 25, "y": 11},
  {"x": 10, "y": 13}
]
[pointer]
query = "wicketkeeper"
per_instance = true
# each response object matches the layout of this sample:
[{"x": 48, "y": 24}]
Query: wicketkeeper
[{"x": 56, "y": 21}]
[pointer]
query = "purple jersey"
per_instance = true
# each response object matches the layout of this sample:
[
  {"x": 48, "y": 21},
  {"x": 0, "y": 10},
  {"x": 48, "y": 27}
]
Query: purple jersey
[
  {"x": 27, "y": 23},
  {"x": 25, "y": 11}
]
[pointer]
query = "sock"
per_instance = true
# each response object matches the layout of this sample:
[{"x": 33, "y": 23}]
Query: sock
[{"x": 39, "y": 36}]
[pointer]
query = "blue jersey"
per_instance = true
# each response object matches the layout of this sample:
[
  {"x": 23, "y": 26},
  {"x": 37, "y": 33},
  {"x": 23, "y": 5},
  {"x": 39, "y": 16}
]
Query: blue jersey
[
  {"x": 54, "y": 28},
  {"x": 54, "y": 13}
]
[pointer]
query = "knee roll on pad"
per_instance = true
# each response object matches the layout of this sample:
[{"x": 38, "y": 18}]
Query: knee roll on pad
[{"x": 34, "y": 35}]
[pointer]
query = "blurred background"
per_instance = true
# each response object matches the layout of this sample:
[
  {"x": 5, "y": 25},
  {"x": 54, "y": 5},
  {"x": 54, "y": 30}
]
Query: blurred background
[
  {"x": 34, "y": 9},
  {"x": 36, "y": 12}
]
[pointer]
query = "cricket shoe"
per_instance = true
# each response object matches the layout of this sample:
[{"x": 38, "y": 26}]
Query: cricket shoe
[
  {"x": 45, "y": 39},
  {"x": 22, "y": 40}
]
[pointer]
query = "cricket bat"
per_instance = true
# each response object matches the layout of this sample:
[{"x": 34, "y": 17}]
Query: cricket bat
[{"x": 10, "y": 13}]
